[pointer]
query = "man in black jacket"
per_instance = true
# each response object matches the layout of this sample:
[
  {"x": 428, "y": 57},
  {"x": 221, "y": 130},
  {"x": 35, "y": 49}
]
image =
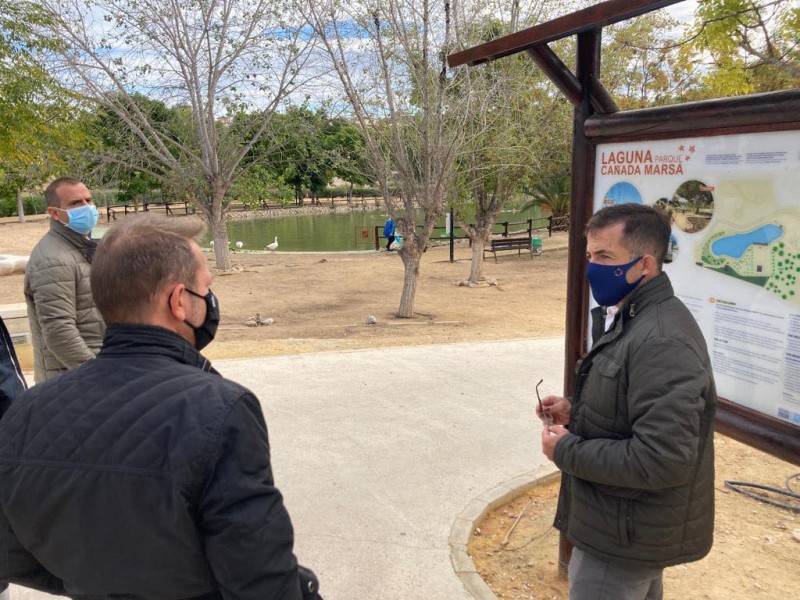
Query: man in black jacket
[
  {"x": 635, "y": 442},
  {"x": 12, "y": 384},
  {"x": 143, "y": 473}
]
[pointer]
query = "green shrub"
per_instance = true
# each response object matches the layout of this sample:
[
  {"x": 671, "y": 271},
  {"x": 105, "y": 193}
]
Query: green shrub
[
  {"x": 32, "y": 204},
  {"x": 8, "y": 207}
]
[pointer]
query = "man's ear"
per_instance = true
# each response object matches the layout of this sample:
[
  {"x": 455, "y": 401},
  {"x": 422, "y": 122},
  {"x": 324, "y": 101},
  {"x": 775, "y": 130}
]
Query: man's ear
[
  {"x": 649, "y": 265},
  {"x": 53, "y": 212},
  {"x": 177, "y": 302}
]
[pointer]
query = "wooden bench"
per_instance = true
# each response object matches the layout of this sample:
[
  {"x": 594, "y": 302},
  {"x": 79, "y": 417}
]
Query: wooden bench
[{"x": 501, "y": 244}]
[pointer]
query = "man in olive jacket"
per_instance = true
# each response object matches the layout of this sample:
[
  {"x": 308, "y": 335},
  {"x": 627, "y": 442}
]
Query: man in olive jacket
[
  {"x": 66, "y": 327},
  {"x": 635, "y": 442},
  {"x": 143, "y": 473}
]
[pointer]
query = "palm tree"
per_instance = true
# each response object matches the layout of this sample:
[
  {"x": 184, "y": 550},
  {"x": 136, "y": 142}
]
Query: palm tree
[{"x": 553, "y": 195}]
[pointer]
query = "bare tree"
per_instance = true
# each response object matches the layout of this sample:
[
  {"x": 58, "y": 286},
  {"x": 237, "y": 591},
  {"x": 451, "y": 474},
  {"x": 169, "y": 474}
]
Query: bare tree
[
  {"x": 389, "y": 57},
  {"x": 229, "y": 63},
  {"x": 516, "y": 125},
  {"x": 524, "y": 141}
]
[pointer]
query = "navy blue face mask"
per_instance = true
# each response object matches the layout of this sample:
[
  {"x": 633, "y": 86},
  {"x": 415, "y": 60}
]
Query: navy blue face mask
[
  {"x": 608, "y": 282},
  {"x": 205, "y": 332}
]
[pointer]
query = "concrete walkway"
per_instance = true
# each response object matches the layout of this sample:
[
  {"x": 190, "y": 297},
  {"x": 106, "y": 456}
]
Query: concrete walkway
[{"x": 378, "y": 453}]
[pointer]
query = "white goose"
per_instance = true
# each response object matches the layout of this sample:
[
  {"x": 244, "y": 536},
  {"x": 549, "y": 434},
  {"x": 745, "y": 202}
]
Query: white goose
[{"x": 274, "y": 245}]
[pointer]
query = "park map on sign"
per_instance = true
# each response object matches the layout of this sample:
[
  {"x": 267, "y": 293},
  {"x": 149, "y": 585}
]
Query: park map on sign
[{"x": 753, "y": 239}]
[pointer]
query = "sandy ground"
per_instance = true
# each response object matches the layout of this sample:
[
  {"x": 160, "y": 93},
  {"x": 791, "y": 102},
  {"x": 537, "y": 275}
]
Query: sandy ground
[{"x": 320, "y": 302}]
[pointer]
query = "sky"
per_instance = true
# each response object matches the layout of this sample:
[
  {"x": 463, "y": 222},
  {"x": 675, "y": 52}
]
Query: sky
[{"x": 683, "y": 11}]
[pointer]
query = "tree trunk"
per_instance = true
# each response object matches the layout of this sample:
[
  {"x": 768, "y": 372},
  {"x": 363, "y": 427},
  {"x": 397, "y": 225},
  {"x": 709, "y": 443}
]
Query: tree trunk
[
  {"x": 476, "y": 268},
  {"x": 219, "y": 232},
  {"x": 411, "y": 258},
  {"x": 479, "y": 236},
  {"x": 20, "y": 207}
]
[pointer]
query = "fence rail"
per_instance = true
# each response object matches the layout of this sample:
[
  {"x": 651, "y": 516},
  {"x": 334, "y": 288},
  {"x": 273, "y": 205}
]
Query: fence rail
[
  {"x": 111, "y": 211},
  {"x": 532, "y": 225}
]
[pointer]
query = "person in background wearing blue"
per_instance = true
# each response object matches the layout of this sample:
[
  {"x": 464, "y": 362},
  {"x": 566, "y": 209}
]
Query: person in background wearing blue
[
  {"x": 12, "y": 384},
  {"x": 388, "y": 233}
]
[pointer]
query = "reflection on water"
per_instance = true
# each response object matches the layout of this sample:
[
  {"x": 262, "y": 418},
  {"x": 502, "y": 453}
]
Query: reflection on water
[
  {"x": 309, "y": 233},
  {"x": 326, "y": 232}
]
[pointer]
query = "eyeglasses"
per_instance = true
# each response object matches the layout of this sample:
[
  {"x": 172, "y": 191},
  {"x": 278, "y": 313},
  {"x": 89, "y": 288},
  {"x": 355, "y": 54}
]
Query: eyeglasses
[{"x": 546, "y": 418}]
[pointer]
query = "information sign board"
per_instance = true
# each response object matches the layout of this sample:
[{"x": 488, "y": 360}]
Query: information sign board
[{"x": 734, "y": 201}]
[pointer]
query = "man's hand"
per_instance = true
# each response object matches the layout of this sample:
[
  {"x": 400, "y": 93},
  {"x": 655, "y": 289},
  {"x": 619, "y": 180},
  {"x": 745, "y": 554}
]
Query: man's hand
[
  {"x": 550, "y": 436},
  {"x": 557, "y": 408}
]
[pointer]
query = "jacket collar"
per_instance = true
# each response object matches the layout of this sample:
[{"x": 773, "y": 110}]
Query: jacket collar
[
  {"x": 651, "y": 293},
  {"x": 84, "y": 244},
  {"x": 134, "y": 338}
]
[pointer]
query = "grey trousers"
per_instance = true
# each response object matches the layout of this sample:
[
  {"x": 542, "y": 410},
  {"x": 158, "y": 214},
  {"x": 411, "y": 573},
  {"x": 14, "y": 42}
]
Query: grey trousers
[{"x": 594, "y": 579}]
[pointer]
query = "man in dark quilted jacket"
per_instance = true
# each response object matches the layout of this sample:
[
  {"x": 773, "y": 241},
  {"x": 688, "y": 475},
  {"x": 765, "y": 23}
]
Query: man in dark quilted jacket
[
  {"x": 12, "y": 384},
  {"x": 635, "y": 442},
  {"x": 143, "y": 473}
]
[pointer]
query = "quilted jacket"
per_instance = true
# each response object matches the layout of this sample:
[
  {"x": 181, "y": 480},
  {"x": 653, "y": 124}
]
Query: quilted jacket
[
  {"x": 142, "y": 474},
  {"x": 638, "y": 484},
  {"x": 66, "y": 327}
]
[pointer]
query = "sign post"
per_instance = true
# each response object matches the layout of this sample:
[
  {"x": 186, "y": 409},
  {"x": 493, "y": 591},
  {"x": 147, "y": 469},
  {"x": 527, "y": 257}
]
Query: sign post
[{"x": 450, "y": 229}]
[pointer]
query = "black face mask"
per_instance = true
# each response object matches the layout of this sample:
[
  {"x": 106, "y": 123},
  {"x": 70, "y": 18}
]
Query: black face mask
[{"x": 205, "y": 332}]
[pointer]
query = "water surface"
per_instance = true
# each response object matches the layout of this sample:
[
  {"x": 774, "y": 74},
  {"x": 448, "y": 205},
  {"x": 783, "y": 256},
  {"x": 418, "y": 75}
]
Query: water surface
[
  {"x": 736, "y": 245},
  {"x": 329, "y": 232}
]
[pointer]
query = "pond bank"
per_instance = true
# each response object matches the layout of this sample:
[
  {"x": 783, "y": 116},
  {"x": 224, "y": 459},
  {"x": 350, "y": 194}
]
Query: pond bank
[{"x": 294, "y": 211}]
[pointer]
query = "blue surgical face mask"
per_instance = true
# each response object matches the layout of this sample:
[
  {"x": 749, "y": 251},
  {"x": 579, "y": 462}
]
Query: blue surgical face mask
[
  {"x": 82, "y": 219},
  {"x": 608, "y": 282}
]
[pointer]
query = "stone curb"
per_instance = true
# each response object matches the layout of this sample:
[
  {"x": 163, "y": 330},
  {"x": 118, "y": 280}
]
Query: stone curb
[{"x": 475, "y": 511}]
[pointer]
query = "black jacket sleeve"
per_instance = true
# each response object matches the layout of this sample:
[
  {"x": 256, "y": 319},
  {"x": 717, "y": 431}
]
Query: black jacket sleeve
[{"x": 247, "y": 532}]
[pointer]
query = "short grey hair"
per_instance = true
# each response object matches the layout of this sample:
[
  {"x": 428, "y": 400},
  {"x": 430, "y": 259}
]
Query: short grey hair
[
  {"x": 137, "y": 258},
  {"x": 51, "y": 193}
]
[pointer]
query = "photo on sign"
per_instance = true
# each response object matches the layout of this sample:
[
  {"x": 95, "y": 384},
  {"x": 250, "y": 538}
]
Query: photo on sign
[
  {"x": 691, "y": 206},
  {"x": 622, "y": 193}
]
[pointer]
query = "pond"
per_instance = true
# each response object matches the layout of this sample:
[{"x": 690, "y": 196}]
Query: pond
[
  {"x": 331, "y": 232},
  {"x": 736, "y": 245}
]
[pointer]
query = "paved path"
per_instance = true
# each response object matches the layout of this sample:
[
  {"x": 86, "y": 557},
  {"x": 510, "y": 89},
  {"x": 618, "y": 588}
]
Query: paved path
[{"x": 379, "y": 451}]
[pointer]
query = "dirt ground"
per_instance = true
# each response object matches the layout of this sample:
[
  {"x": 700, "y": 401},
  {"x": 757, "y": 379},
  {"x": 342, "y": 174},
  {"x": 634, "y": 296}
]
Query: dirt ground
[
  {"x": 320, "y": 302},
  {"x": 756, "y": 551}
]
